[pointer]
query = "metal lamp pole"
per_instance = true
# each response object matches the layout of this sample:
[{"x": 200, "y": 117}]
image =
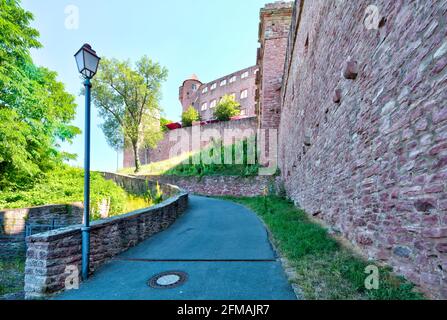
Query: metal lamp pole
[
  {"x": 87, "y": 62},
  {"x": 86, "y": 228}
]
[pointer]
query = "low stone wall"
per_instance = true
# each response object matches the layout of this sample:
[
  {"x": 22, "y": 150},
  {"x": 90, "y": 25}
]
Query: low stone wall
[
  {"x": 51, "y": 254},
  {"x": 13, "y": 221},
  {"x": 222, "y": 185},
  {"x": 141, "y": 185}
]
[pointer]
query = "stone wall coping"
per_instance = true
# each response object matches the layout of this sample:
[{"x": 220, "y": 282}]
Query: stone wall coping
[
  {"x": 122, "y": 175},
  {"x": 3, "y": 210},
  {"x": 144, "y": 178},
  {"x": 75, "y": 229}
]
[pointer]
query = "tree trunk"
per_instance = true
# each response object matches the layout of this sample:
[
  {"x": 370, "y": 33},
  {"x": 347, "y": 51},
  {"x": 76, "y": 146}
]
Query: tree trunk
[{"x": 136, "y": 154}]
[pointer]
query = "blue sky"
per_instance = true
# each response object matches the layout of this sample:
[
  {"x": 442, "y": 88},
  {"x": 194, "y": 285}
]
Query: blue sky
[{"x": 208, "y": 37}]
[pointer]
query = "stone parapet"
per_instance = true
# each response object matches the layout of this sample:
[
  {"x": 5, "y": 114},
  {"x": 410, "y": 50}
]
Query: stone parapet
[{"x": 54, "y": 255}]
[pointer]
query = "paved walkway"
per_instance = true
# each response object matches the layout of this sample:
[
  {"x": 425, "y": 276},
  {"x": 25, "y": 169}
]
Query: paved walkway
[{"x": 223, "y": 247}]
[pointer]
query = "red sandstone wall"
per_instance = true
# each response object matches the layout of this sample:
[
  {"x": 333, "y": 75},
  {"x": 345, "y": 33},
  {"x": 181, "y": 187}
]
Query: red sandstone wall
[
  {"x": 164, "y": 147},
  {"x": 273, "y": 35},
  {"x": 376, "y": 167},
  {"x": 222, "y": 185},
  {"x": 188, "y": 96}
]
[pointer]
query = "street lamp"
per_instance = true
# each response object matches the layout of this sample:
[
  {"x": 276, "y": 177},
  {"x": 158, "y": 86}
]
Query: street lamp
[{"x": 87, "y": 62}]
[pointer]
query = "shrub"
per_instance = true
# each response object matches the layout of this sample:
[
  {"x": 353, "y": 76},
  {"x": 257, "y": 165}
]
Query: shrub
[
  {"x": 189, "y": 116},
  {"x": 65, "y": 185},
  {"x": 158, "y": 196},
  {"x": 227, "y": 108}
]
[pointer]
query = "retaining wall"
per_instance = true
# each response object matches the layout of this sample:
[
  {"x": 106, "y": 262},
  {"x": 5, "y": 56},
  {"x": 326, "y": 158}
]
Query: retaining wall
[
  {"x": 223, "y": 185},
  {"x": 13, "y": 221},
  {"x": 51, "y": 254},
  {"x": 367, "y": 153}
]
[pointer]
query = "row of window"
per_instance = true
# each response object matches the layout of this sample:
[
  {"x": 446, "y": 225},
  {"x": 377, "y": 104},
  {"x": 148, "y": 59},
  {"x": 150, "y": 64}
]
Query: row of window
[
  {"x": 213, "y": 105},
  {"x": 224, "y": 82},
  {"x": 244, "y": 95}
]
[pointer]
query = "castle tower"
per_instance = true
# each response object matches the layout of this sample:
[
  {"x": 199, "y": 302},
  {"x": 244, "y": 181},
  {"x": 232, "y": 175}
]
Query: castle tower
[
  {"x": 274, "y": 30},
  {"x": 188, "y": 92}
]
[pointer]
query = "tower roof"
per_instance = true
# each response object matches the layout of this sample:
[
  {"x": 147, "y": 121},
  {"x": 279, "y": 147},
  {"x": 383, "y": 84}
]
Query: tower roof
[{"x": 193, "y": 77}]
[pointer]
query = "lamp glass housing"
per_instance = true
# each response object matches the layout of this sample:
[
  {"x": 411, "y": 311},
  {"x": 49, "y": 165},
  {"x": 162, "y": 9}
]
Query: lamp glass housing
[{"x": 87, "y": 61}]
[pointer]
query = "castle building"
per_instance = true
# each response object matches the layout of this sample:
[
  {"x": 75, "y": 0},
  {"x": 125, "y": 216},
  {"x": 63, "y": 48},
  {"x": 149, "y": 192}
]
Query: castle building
[
  {"x": 257, "y": 88},
  {"x": 204, "y": 97}
]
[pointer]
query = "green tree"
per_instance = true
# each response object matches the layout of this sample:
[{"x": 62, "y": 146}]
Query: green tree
[
  {"x": 189, "y": 116},
  {"x": 227, "y": 108},
  {"x": 35, "y": 109},
  {"x": 15, "y": 161},
  {"x": 128, "y": 101},
  {"x": 16, "y": 39}
]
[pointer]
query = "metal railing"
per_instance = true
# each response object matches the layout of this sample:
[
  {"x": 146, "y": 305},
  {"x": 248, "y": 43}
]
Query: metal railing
[{"x": 35, "y": 228}]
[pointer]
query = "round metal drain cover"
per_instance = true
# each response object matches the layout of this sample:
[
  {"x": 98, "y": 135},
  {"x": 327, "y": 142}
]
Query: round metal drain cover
[{"x": 168, "y": 280}]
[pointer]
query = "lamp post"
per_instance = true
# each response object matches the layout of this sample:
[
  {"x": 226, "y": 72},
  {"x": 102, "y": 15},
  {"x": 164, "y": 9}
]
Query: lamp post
[{"x": 87, "y": 62}]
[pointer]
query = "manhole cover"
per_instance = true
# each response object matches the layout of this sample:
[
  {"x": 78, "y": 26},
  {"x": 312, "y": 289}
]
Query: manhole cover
[{"x": 168, "y": 280}]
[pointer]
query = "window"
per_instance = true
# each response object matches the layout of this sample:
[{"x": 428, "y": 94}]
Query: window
[
  {"x": 214, "y": 86},
  {"x": 256, "y": 71},
  {"x": 205, "y": 90},
  {"x": 244, "y": 94},
  {"x": 233, "y": 96},
  {"x": 194, "y": 87},
  {"x": 233, "y": 79},
  {"x": 213, "y": 104},
  {"x": 204, "y": 106},
  {"x": 244, "y": 75},
  {"x": 243, "y": 113},
  {"x": 223, "y": 83}
]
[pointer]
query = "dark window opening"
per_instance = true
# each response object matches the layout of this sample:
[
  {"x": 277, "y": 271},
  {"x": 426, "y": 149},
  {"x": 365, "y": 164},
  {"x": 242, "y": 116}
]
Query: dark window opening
[{"x": 306, "y": 46}]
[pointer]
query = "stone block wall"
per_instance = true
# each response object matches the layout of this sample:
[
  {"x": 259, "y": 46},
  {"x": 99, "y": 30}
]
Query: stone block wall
[
  {"x": 223, "y": 185},
  {"x": 274, "y": 29},
  {"x": 165, "y": 147},
  {"x": 49, "y": 254},
  {"x": 363, "y": 133},
  {"x": 13, "y": 221}
]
